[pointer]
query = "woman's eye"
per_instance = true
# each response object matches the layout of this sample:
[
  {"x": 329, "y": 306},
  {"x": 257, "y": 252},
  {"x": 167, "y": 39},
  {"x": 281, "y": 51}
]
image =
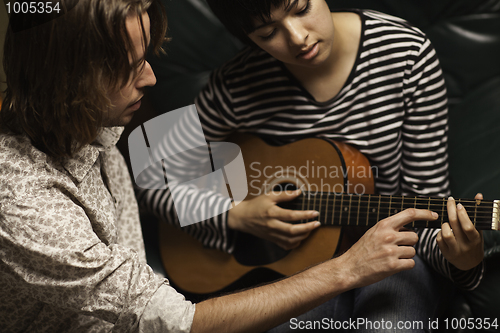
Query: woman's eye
[
  {"x": 269, "y": 36},
  {"x": 306, "y": 8}
]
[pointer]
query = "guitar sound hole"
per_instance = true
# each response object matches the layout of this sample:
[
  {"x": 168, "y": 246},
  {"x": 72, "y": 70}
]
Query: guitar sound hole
[
  {"x": 250, "y": 250},
  {"x": 253, "y": 251},
  {"x": 284, "y": 187}
]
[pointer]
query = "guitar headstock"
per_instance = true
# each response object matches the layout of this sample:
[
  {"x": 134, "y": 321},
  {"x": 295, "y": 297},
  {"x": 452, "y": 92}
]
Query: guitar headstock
[{"x": 495, "y": 223}]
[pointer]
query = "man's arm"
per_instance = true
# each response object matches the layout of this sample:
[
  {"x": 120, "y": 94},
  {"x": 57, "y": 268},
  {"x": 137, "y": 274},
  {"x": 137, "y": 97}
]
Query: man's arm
[{"x": 383, "y": 250}]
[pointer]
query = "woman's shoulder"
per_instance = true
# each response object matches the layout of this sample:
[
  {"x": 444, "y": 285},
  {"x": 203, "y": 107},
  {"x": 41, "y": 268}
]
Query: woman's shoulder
[{"x": 377, "y": 20}]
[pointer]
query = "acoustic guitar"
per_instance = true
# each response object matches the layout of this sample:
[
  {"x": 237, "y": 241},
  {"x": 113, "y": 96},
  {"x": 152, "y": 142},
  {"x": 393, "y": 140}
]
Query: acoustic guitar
[{"x": 335, "y": 179}]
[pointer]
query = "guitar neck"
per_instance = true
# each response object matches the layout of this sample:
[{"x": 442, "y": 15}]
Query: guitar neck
[{"x": 366, "y": 210}]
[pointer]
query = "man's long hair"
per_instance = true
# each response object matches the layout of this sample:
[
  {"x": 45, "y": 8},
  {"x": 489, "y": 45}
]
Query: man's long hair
[{"x": 59, "y": 73}]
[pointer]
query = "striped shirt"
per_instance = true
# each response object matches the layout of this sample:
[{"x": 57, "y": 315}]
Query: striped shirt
[{"x": 392, "y": 108}]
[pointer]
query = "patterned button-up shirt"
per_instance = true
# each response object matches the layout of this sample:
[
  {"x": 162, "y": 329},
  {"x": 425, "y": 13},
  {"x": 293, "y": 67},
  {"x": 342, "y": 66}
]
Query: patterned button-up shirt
[{"x": 72, "y": 256}]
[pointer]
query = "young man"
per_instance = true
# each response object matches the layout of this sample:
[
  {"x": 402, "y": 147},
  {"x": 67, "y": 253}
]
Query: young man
[
  {"x": 72, "y": 256},
  {"x": 360, "y": 77}
]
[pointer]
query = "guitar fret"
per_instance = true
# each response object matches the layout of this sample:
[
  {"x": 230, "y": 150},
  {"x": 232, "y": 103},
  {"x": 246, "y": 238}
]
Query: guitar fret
[
  {"x": 428, "y": 208},
  {"x": 303, "y": 203},
  {"x": 475, "y": 211},
  {"x": 368, "y": 209},
  {"x": 326, "y": 213},
  {"x": 390, "y": 203},
  {"x": 442, "y": 211},
  {"x": 314, "y": 203},
  {"x": 333, "y": 210},
  {"x": 349, "y": 211},
  {"x": 359, "y": 206},
  {"x": 378, "y": 210},
  {"x": 320, "y": 202},
  {"x": 341, "y": 208},
  {"x": 414, "y": 206}
]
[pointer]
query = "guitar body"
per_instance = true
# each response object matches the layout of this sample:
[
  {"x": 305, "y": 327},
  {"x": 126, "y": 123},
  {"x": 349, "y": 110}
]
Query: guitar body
[{"x": 310, "y": 164}]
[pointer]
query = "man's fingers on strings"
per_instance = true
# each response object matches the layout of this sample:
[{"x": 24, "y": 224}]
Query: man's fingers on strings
[{"x": 410, "y": 215}]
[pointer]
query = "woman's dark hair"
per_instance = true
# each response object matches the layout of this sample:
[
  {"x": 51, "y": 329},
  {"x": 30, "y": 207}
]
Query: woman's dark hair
[
  {"x": 238, "y": 15},
  {"x": 59, "y": 73}
]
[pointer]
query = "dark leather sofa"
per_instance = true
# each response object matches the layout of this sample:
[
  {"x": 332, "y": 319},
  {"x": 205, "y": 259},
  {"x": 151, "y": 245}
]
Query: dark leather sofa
[{"x": 466, "y": 35}]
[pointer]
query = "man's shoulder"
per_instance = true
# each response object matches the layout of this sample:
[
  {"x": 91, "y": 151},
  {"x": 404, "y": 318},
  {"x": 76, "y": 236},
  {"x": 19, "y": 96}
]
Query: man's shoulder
[
  {"x": 19, "y": 159},
  {"x": 15, "y": 148}
]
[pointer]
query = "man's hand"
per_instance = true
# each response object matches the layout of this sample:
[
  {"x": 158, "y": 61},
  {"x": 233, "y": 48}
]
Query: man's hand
[
  {"x": 262, "y": 217},
  {"x": 385, "y": 249},
  {"x": 382, "y": 251},
  {"x": 459, "y": 241}
]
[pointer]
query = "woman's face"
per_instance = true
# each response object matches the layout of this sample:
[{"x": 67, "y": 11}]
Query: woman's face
[{"x": 300, "y": 34}]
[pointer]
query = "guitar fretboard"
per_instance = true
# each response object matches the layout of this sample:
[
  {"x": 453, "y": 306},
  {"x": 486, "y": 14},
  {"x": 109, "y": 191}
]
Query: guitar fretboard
[{"x": 366, "y": 210}]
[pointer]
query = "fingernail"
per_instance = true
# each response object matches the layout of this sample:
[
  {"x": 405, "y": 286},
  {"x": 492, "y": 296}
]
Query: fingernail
[
  {"x": 459, "y": 206},
  {"x": 435, "y": 215},
  {"x": 317, "y": 224},
  {"x": 451, "y": 198},
  {"x": 314, "y": 214}
]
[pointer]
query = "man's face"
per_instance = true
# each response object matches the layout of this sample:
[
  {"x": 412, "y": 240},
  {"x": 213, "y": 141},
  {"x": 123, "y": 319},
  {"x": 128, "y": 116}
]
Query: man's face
[{"x": 127, "y": 100}]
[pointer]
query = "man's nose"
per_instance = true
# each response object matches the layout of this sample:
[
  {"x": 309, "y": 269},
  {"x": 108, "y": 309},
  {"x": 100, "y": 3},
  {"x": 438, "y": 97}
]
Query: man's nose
[{"x": 147, "y": 77}]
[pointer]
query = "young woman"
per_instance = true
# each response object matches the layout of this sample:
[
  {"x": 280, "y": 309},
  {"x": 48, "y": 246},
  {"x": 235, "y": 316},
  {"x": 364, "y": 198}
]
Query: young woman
[{"x": 361, "y": 77}]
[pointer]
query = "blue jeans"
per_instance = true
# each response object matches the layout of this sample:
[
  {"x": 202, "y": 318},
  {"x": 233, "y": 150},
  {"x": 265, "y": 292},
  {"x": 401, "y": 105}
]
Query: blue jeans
[{"x": 408, "y": 301}]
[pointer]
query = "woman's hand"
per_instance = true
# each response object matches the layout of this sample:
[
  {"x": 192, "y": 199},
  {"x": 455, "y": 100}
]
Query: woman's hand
[
  {"x": 460, "y": 242},
  {"x": 262, "y": 217}
]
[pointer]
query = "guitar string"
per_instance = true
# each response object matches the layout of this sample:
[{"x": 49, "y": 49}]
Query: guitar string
[
  {"x": 331, "y": 194},
  {"x": 484, "y": 208},
  {"x": 480, "y": 218},
  {"x": 416, "y": 224},
  {"x": 484, "y": 205},
  {"x": 393, "y": 198},
  {"x": 372, "y": 221},
  {"x": 480, "y": 212},
  {"x": 363, "y": 219},
  {"x": 484, "y": 213},
  {"x": 394, "y": 204}
]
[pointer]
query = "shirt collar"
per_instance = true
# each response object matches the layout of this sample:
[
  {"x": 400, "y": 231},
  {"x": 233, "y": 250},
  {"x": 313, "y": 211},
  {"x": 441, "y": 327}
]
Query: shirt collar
[{"x": 79, "y": 165}]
